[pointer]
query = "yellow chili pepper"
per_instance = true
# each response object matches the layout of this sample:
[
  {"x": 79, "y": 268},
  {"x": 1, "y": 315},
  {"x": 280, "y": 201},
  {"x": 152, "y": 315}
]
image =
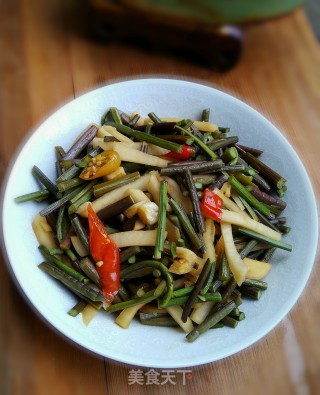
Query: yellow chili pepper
[{"x": 101, "y": 165}]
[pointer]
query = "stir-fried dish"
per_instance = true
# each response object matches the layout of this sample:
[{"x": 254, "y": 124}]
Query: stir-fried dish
[{"x": 168, "y": 221}]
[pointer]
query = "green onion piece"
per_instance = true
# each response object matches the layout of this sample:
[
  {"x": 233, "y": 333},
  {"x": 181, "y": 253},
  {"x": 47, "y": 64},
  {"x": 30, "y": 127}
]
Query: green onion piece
[
  {"x": 123, "y": 293},
  {"x": 152, "y": 315},
  {"x": 56, "y": 251},
  {"x": 182, "y": 300},
  {"x": 138, "y": 273},
  {"x": 235, "y": 312},
  {"x": 218, "y": 325},
  {"x": 222, "y": 143},
  {"x": 284, "y": 228},
  {"x": 265, "y": 220},
  {"x": 134, "y": 120},
  {"x": 205, "y": 115},
  {"x": 199, "y": 142},
  {"x": 218, "y": 182},
  {"x": 193, "y": 224},
  {"x": 248, "y": 248},
  {"x": 177, "y": 138},
  {"x": 83, "y": 199},
  {"x": 261, "y": 182},
  {"x": 251, "y": 292},
  {"x": 132, "y": 259},
  {"x": 166, "y": 261},
  {"x": 81, "y": 143},
  {"x": 255, "y": 283},
  {"x": 60, "y": 152},
  {"x": 44, "y": 180},
  {"x": 102, "y": 188},
  {"x": 209, "y": 279},
  {"x": 156, "y": 273},
  {"x": 77, "y": 308},
  {"x": 142, "y": 136},
  {"x": 115, "y": 115},
  {"x": 198, "y": 185},
  {"x": 156, "y": 265},
  {"x": 41, "y": 194},
  {"x": 81, "y": 233},
  {"x": 173, "y": 248},
  {"x": 241, "y": 316},
  {"x": 204, "y": 179},
  {"x": 115, "y": 208},
  {"x": 195, "y": 167},
  {"x": 162, "y": 216},
  {"x": 253, "y": 151},
  {"x": 63, "y": 224},
  {"x": 185, "y": 223},
  {"x": 266, "y": 197},
  {"x": 83, "y": 191},
  {"x": 268, "y": 255},
  {"x": 251, "y": 211},
  {"x": 200, "y": 157},
  {"x": 281, "y": 191},
  {"x": 243, "y": 192},
  {"x": 236, "y": 295},
  {"x": 181, "y": 243},
  {"x": 198, "y": 217},
  {"x": 57, "y": 204},
  {"x": 223, "y": 129},
  {"x": 227, "y": 293},
  {"x": 147, "y": 130},
  {"x": 61, "y": 265},
  {"x": 230, "y": 156},
  {"x": 230, "y": 321},
  {"x": 216, "y": 284},
  {"x": 197, "y": 288},
  {"x": 154, "y": 118},
  {"x": 184, "y": 123},
  {"x": 158, "y": 321},
  {"x": 146, "y": 298},
  {"x": 66, "y": 164},
  {"x": 68, "y": 184},
  {"x": 244, "y": 179},
  {"x": 128, "y": 253},
  {"x": 265, "y": 171},
  {"x": 109, "y": 139},
  {"x": 224, "y": 270},
  {"x": 71, "y": 255},
  {"x": 74, "y": 170},
  {"x": 182, "y": 291},
  {"x": 72, "y": 283},
  {"x": 195, "y": 131},
  {"x": 208, "y": 137},
  {"x": 81, "y": 164},
  {"x": 279, "y": 244},
  {"x": 88, "y": 267},
  {"x": 210, "y": 321},
  {"x": 71, "y": 172},
  {"x": 125, "y": 118}
]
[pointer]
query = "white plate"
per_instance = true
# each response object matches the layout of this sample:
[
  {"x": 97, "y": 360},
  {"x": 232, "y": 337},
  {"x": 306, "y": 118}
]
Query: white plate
[{"x": 142, "y": 345}]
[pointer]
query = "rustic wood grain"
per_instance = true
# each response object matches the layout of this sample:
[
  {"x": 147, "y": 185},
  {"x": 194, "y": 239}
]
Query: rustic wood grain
[{"x": 46, "y": 59}]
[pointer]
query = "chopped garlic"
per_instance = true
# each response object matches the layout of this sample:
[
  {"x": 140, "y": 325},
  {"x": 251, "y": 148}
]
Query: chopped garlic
[{"x": 99, "y": 263}]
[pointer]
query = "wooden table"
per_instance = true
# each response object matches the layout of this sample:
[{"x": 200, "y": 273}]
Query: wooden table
[{"x": 47, "y": 60}]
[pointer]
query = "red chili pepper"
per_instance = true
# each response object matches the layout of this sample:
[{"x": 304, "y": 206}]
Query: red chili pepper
[
  {"x": 211, "y": 205},
  {"x": 106, "y": 255},
  {"x": 187, "y": 153}
]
